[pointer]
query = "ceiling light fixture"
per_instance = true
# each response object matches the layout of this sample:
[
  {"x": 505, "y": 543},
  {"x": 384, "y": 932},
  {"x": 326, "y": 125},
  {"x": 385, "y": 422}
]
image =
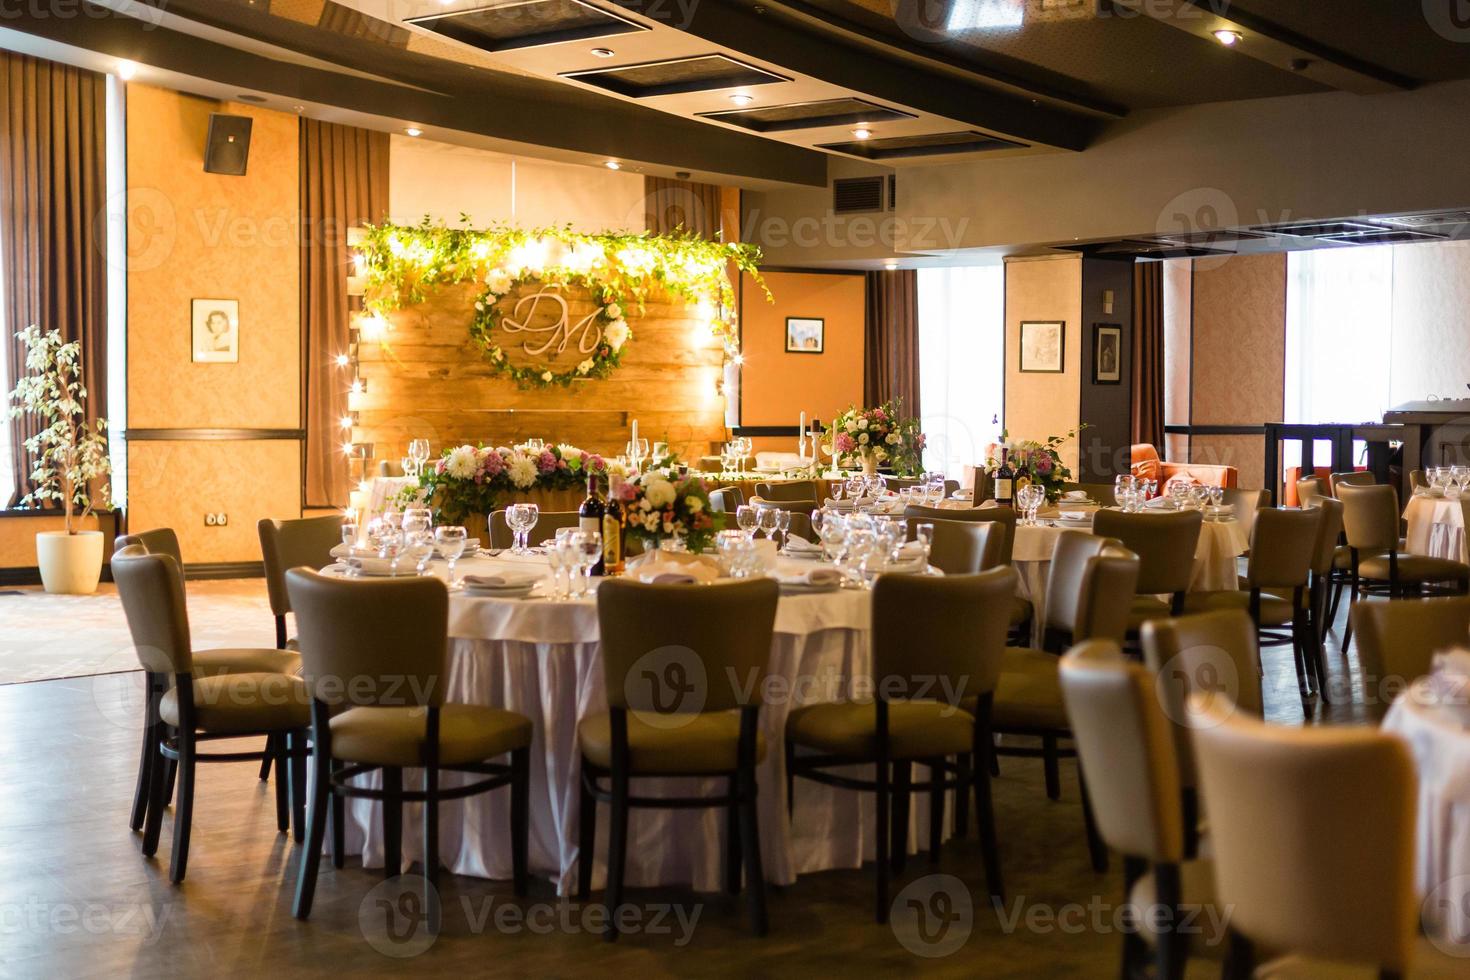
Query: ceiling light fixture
[
  {"x": 127, "y": 69},
  {"x": 603, "y": 52},
  {"x": 862, "y": 133},
  {"x": 890, "y": 266},
  {"x": 742, "y": 98},
  {"x": 613, "y": 165},
  {"x": 1227, "y": 37},
  {"x": 414, "y": 131}
]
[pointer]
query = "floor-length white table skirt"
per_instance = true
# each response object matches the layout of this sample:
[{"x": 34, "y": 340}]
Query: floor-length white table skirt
[
  {"x": 543, "y": 659},
  {"x": 1435, "y": 525}
]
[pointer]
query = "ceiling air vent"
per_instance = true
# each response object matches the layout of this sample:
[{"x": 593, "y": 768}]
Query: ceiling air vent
[{"x": 854, "y": 194}]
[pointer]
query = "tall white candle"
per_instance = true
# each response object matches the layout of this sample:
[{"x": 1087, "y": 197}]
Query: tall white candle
[
  {"x": 801, "y": 437},
  {"x": 635, "y": 433}
]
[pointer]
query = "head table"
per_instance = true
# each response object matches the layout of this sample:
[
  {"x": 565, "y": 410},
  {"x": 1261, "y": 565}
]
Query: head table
[{"x": 542, "y": 658}]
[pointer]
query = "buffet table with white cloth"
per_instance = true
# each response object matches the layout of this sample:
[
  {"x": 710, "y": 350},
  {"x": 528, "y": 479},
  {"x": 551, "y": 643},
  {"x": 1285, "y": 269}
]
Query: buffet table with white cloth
[
  {"x": 542, "y": 658},
  {"x": 1436, "y": 525},
  {"x": 1438, "y": 735}
]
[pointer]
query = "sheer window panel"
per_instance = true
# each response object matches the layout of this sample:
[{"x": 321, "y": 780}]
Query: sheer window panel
[
  {"x": 1339, "y": 330},
  {"x": 961, "y": 363}
]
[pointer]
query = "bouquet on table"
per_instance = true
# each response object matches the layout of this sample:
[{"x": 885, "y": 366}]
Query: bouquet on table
[
  {"x": 870, "y": 437},
  {"x": 1034, "y": 462},
  {"x": 467, "y": 480},
  {"x": 659, "y": 505}
]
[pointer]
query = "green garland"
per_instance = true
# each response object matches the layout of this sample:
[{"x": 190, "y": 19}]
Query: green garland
[{"x": 402, "y": 263}]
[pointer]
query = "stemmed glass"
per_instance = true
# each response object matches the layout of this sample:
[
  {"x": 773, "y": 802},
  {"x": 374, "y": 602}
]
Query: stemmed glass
[
  {"x": 783, "y": 525},
  {"x": 349, "y": 538},
  {"x": 743, "y": 446},
  {"x": 451, "y": 540},
  {"x": 590, "y": 545},
  {"x": 521, "y": 518},
  {"x": 637, "y": 450},
  {"x": 419, "y": 547},
  {"x": 418, "y": 451},
  {"x": 390, "y": 545},
  {"x": 768, "y": 520},
  {"x": 837, "y": 487},
  {"x": 747, "y": 520},
  {"x": 924, "y": 534},
  {"x": 558, "y": 557}
]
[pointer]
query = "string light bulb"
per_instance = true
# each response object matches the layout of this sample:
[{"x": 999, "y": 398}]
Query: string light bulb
[{"x": 343, "y": 360}]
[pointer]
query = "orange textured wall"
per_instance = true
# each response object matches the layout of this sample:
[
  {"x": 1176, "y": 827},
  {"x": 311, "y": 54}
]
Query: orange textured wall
[{"x": 776, "y": 387}]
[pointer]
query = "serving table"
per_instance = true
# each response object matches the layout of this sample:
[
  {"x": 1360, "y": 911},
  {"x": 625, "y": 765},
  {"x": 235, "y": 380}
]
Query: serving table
[{"x": 542, "y": 658}]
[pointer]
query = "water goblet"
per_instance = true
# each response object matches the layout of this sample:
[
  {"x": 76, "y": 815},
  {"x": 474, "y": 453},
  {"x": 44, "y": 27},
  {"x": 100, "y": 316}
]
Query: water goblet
[
  {"x": 838, "y": 486},
  {"x": 409, "y": 467},
  {"x": 768, "y": 521},
  {"x": 591, "y": 544},
  {"x": 783, "y": 526},
  {"x": 924, "y": 534},
  {"x": 531, "y": 513},
  {"x": 747, "y": 520},
  {"x": 556, "y": 559},
  {"x": 451, "y": 541},
  {"x": 419, "y": 547},
  {"x": 418, "y": 451},
  {"x": 390, "y": 546}
]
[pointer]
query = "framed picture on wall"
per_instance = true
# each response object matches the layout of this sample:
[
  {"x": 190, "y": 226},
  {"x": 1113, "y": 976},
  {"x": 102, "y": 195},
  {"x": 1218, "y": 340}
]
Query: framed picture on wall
[
  {"x": 216, "y": 330},
  {"x": 1107, "y": 353},
  {"x": 805, "y": 334},
  {"x": 1043, "y": 344}
]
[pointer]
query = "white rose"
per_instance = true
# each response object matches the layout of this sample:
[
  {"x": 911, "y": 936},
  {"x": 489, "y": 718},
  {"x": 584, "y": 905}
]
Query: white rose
[
  {"x": 585, "y": 366},
  {"x": 851, "y": 426},
  {"x": 694, "y": 504},
  {"x": 613, "y": 311},
  {"x": 546, "y": 375},
  {"x": 863, "y": 438},
  {"x": 862, "y": 423},
  {"x": 616, "y": 334},
  {"x": 892, "y": 439}
]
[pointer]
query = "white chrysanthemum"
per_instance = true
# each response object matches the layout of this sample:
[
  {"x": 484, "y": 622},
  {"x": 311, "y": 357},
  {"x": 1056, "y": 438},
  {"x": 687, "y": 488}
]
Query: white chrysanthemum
[
  {"x": 522, "y": 470},
  {"x": 585, "y": 366},
  {"x": 462, "y": 462},
  {"x": 616, "y": 334},
  {"x": 660, "y": 492},
  {"x": 568, "y": 451}
]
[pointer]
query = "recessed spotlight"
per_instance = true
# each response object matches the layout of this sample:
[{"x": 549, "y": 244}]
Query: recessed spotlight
[
  {"x": 127, "y": 69},
  {"x": 862, "y": 133},
  {"x": 603, "y": 52},
  {"x": 613, "y": 165},
  {"x": 414, "y": 131},
  {"x": 1227, "y": 37},
  {"x": 742, "y": 99}
]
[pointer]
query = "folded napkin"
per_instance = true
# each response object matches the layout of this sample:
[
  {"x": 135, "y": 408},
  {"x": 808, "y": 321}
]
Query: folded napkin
[
  {"x": 1453, "y": 663},
  {"x": 503, "y": 580},
  {"x": 1075, "y": 495},
  {"x": 838, "y": 504},
  {"x": 670, "y": 567},
  {"x": 812, "y": 576},
  {"x": 1160, "y": 503},
  {"x": 801, "y": 546}
]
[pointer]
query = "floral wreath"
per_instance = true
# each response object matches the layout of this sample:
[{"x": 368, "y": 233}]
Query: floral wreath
[{"x": 612, "y": 329}]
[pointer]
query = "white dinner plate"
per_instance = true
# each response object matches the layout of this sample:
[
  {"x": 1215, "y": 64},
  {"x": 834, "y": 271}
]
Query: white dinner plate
[{"x": 512, "y": 592}]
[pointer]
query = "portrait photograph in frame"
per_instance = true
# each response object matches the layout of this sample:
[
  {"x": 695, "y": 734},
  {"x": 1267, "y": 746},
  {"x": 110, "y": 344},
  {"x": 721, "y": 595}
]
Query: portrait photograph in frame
[
  {"x": 1043, "y": 346},
  {"x": 805, "y": 334},
  {"x": 215, "y": 330},
  {"x": 1107, "y": 354}
]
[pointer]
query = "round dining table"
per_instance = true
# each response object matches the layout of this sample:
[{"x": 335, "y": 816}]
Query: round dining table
[
  {"x": 542, "y": 658},
  {"x": 1435, "y": 525}
]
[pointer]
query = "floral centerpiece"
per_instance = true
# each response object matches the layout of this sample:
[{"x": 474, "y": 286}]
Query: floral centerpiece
[
  {"x": 660, "y": 505},
  {"x": 871, "y": 437},
  {"x": 468, "y": 480},
  {"x": 1034, "y": 462}
]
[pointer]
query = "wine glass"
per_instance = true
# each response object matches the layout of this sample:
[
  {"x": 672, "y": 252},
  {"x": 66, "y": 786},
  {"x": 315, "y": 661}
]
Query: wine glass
[
  {"x": 836, "y": 489},
  {"x": 660, "y": 450},
  {"x": 418, "y": 545},
  {"x": 743, "y": 446},
  {"x": 768, "y": 520},
  {"x": 451, "y": 540},
  {"x": 924, "y": 534},
  {"x": 418, "y": 451},
  {"x": 591, "y": 544},
  {"x": 747, "y": 519},
  {"x": 530, "y": 514},
  {"x": 557, "y": 556},
  {"x": 390, "y": 545},
  {"x": 637, "y": 450},
  {"x": 783, "y": 525}
]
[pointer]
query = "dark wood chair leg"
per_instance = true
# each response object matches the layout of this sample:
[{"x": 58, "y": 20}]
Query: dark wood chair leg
[
  {"x": 989, "y": 849},
  {"x": 148, "y": 758},
  {"x": 433, "y": 911},
  {"x": 338, "y": 806},
  {"x": 586, "y": 834},
  {"x": 1049, "y": 761},
  {"x": 270, "y": 754},
  {"x": 184, "y": 808},
  {"x": 750, "y": 849},
  {"x": 392, "y": 821},
  {"x": 732, "y": 836},
  {"x": 963, "y": 765},
  {"x": 1096, "y": 849},
  {"x": 936, "y": 808},
  {"x": 316, "y": 821},
  {"x": 153, "y": 820},
  {"x": 790, "y": 779},
  {"x": 883, "y": 803},
  {"x": 1171, "y": 946},
  {"x": 170, "y": 773},
  {"x": 296, "y": 775},
  {"x": 283, "y": 784},
  {"x": 520, "y": 819},
  {"x": 617, "y": 851},
  {"x": 898, "y": 847},
  {"x": 1134, "y": 948},
  {"x": 1347, "y": 635},
  {"x": 1240, "y": 958}
]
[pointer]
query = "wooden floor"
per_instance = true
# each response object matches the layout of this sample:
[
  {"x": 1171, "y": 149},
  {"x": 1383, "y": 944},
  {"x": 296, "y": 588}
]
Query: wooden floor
[{"x": 78, "y": 900}]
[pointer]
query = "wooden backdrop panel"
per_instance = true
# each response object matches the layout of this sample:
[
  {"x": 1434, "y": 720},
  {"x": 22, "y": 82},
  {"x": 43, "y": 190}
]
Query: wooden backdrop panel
[{"x": 430, "y": 381}]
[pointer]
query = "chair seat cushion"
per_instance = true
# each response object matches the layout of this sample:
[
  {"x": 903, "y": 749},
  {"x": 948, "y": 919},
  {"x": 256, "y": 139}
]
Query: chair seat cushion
[
  {"x": 916, "y": 729},
  {"x": 1029, "y": 692},
  {"x": 207, "y": 663},
  {"x": 257, "y": 702},
  {"x": 1020, "y": 610},
  {"x": 1413, "y": 568},
  {"x": 691, "y": 743},
  {"x": 1275, "y": 611},
  {"x": 1196, "y": 893},
  {"x": 394, "y": 736},
  {"x": 1146, "y": 607}
]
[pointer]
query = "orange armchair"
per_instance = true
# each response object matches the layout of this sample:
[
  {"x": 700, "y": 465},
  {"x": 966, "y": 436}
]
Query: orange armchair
[{"x": 1147, "y": 465}]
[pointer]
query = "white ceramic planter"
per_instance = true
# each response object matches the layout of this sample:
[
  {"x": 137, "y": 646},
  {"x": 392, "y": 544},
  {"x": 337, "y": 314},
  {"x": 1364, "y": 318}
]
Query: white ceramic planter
[{"x": 71, "y": 564}]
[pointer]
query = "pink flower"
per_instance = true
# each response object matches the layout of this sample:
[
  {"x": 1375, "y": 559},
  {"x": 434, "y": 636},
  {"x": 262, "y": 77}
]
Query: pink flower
[
  {"x": 594, "y": 462},
  {"x": 547, "y": 461},
  {"x": 844, "y": 443},
  {"x": 1043, "y": 464},
  {"x": 493, "y": 463},
  {"x": 439, "y": 467},
  {"x": 628, "y": 492}
]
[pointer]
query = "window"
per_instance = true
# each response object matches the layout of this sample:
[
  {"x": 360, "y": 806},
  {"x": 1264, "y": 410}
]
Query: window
[
  {"x": 961, "y": 363},
  {"x": 1339, "y": 320}
]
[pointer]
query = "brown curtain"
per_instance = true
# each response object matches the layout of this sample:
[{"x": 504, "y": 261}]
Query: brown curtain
[
  {"x": 53, "y": 228},
  {"x": 891, "y": 353},
  {"x": 1148, "y": 354},
  {"x": 674, "y": 204},
  {"x": 344, "y": 183}
]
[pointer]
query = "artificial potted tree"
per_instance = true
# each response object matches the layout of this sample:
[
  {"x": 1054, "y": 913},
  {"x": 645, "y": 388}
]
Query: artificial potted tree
[{"x": 70, "y": 455}]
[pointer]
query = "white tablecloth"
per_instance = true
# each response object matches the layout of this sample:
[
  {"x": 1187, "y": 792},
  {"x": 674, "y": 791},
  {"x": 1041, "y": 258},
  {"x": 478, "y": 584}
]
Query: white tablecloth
[
  {"x": 542, "y": 659},
  {"x": 1436, "y": 526},
  {"x": 1440, "y": 742}
]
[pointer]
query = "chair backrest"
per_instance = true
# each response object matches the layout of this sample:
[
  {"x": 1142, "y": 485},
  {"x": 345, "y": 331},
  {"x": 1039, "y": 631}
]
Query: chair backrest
[
  {"x": 795, "y": 506},
  {"x": 897, "y": 483},
  {"x": 287, "y": 544},
  {"x": 801, "y": 525},
  {"x": 1212, "y": 653},
  {"x": 373, "y": 641},
  {"x": 1101, "y": 492},
  {"x": 726, "y": 499},
  {"x": 1417, "y": 479},
  {"x": 1329, "y": 529},
  {"x": 684, "y": 649},
  {"x": 159, "y": 541},
  {"x": 940, "y": 638},
  {"x": 1397, "y": 640},
  {"x": 1352, "y": 478},
  {"x": 547, "y": 524},
  {"x": 1285, "y": 805},
  {"x": 1370, "y": 516},
  {"x": 1090, "y": 587},
  {"x": 1283, "y": 547},
  {"x": 151, "y": 588},
  {"x": 788, "y": 490},
  {"x": 965, "y": 547},
  {"x": 1164, "y": 543},
  {"x": 1123, "y": 738},
  {"x": 1310, "y": 490},
  {"x": 999, "y": 515},
  {"x": 1245, "y": 504}
]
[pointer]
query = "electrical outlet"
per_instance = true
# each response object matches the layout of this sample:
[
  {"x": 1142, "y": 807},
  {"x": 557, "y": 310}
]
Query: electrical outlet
[{"x": 209, "y": 520}]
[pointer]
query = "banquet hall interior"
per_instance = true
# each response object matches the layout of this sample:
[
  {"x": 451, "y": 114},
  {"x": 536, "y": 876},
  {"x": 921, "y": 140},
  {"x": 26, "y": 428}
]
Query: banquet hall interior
[{"x": 438, "y": 532}]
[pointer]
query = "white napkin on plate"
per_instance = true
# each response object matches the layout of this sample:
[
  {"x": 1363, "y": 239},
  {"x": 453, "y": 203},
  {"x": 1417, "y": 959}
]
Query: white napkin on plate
[
  {"x": 812, "y": 576},
  {"x": 503, "y": 581},
  {"x": 671, "y": 567},
  {"x": 801, "y": 546},
  {"x": 1160, "y": 503},
  {"x": 1075, "y": 495}
]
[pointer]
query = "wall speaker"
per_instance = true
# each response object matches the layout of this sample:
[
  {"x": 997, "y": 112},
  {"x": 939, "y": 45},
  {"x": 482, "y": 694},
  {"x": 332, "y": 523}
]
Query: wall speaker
[{"x": 228, "y": 145}]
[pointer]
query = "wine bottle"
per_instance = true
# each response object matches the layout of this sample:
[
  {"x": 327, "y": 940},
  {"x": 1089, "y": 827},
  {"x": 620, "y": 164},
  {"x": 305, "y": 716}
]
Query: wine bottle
[
  {"x": 1005, "y": 481},
  {"x": 612, "y": 529},
  {"x": 589, "y": 515}
]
